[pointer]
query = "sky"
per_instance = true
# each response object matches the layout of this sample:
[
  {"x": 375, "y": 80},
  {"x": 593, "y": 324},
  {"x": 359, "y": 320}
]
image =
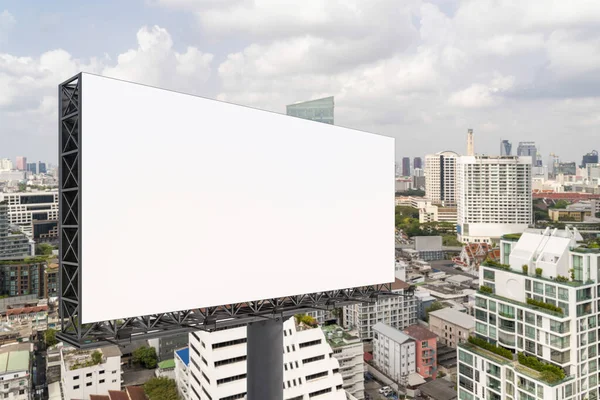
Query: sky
[{"x": 421, "y": 71}]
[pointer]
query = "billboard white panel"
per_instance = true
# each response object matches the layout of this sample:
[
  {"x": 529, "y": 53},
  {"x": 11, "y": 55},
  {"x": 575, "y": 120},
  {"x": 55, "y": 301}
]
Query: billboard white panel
[{"x": 189, "y": 202}]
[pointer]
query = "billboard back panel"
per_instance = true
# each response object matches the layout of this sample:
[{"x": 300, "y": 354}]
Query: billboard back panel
[{"x": 188, "y": 202}]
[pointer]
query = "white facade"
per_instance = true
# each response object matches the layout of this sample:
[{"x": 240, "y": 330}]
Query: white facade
[
  {"x": 440, "y": 177},
  {"x": 493, "y": 197},
  {"x": 182, "y": 372},
  {"x": 348, "y": 350},
  {"x": 218, "y": 365},
  {"x": 559, "y": 273},
  {"x": 436, "y": 213},
  {"x": 398, "y": 312},
  {"x": 15, "y": 378},
  {"x": 6, "y": 164},
  {"x": 393, "y": 352},
  {"x": 24, "y": 208},
  {"x": 79, "y": 381}
]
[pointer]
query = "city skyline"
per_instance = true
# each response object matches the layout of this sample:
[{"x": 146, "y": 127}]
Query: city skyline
[{"x": 450, "y": 70}]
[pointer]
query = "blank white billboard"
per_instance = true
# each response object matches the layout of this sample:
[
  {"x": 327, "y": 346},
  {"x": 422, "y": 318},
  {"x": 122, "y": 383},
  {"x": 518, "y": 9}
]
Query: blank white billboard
[{"x": 189, "y": 202}]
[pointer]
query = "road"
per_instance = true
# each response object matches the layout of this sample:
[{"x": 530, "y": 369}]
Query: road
[{"x": 40, "y": 389}]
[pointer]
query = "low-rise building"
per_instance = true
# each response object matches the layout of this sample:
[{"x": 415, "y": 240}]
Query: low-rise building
[
  {"x": 348, "y": 350},
  {"x": 561, "y": 214},
  {"x": 88, "y": 372},
  {"x": 425, "y": 350},
  {"x": 451, "y": 326},
  {"x": 393, "y": 352},
  {"x": 15, "y": 367}
]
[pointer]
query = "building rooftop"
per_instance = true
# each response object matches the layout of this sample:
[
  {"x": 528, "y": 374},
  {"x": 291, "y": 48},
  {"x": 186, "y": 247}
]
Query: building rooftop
[
  {"x": 166, "y": 364},
  {"x": 77, "y": 358},
  {"x": 337, "y": 337},
  {"x": 14, "y": 361},
  {"x": 392, "y": 333},
  {"x": 455, "y": 317},
  {"x": 458, "y": 279},
  {"x": 136, "y": 393},
  {"x": 117, "y": 395},
  {"x": 419, "y": 332},
  {"x": 398, "y": 284},
  {"x": 184, "y": 355},
  {"x": 439, "y": 389}
]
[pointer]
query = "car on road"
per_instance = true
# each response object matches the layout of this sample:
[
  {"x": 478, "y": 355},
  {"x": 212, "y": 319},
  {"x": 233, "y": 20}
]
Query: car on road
[{"x": 385, "y": 389}]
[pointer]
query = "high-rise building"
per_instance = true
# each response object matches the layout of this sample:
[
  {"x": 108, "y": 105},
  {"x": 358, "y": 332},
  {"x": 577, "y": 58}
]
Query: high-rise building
[
  {"x": 22, "y": 163},
  {"x": 536, "y": 322},
  {"x": 493, "y": 197},
  {"x": 6, "y": 164},
  {"x": 505, "y": 148},
  {"x": 528, "y": 149},
  {"x": 320, "y": 110},
  {"x": 398, "y": 312},
  {"x": 418, "y": 163},
  {"x": 42, "y": 168},
  {"x": 32, "y": 167},
  {"x": 218, "y": 364},
  {"x": 470, "y": 143},
  {"x": 566, "y": 168},
  {"x": 36, "y": 213},
  {"x": 12, "y": 246},
  {"x": 440, "y": 177},
  {"x": 589, "y": 158},
  {"x": 405, "y": 166}
]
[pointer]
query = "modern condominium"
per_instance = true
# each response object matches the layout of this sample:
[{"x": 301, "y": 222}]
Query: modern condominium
[
  {"x": 398, "y": 312},
  {"x": 440, "y": 177},
  {"x": 493, "y": 197},
  {"x": 536, "y": 333},
  {"x": 218, "y": 364},
  {"x": 36, "y": 213},
  {"x": 320, "y": 110}
]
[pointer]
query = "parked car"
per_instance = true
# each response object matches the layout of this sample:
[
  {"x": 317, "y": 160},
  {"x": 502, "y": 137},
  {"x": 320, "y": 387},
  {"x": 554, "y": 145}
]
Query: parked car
[{"x": 384, "y": 390}]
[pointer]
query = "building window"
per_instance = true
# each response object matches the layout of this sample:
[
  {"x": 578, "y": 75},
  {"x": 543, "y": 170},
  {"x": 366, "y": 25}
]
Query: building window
[
  {"x": 101, "y": 381},
  {"x": 74, "y": 387},
  {"x": 88, "y": 375},
  {"x": 88, "y": 384},
  {"x": 101, "y": 372},
  {"x": 76, "y": 377}
]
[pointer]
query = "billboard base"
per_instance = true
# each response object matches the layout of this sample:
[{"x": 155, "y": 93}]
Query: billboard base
[{"x": 264, "y": 370}]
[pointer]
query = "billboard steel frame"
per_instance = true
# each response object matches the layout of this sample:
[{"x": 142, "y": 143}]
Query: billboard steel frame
[{"x": 124, "y": 331}]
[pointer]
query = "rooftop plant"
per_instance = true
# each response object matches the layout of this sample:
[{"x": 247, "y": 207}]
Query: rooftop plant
[
  {"x": 547, "y": 306},
  {"x": 501, "y": 351}
]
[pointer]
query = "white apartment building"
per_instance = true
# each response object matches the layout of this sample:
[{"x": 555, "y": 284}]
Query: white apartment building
[
  {"x": 398, "y": 312},
  {"x": 6, "y": 164},
  {"x": 493, "y": 197},
  {"x": 548, "y": 311},
  {"x": 15, "y": 379},
  {"x": 218, "y": 365},
  {"x": 28, "y": 208},
  {"x": 81, "y": 376},
  {"x": 440, "y": 177},
  {"x": 182, "y": 372},
  {"x": 393, "y": 352},
  {"x": 349, "y": 351}
]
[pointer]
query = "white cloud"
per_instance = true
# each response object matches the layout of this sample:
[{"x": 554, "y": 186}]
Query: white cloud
[
  {"x": 156, "y": 63},
  {"x": 482, "y": 96}
]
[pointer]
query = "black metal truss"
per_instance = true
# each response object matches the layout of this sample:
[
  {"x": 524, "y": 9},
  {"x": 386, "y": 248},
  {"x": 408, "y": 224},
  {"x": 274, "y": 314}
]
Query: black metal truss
[
  {"x": 124, "y": 331},
  {"x": 156, "y": 325}
]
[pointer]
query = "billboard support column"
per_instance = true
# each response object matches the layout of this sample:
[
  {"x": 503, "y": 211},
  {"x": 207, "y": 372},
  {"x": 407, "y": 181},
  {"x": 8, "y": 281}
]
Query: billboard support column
[{"x": 265, "y": 360}]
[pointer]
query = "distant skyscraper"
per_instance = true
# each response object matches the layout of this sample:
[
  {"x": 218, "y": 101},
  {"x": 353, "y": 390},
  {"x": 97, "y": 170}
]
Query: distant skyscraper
[
  {"x": 42, "y": 168},
  {"x": 589, "y": 158},
  {"x": 22, "y": 163},
  {"x": 32, "y": 167},
  {"x": 505, "y": 148},
  {"x": 418, "y": 163},
  {"x": 528, "y": 149},
  {"x": 6, "y": 164},
  {"x": 470, "y": 143},
  {"x": 405, "y": 166},
  {"x": 493, "y": 197},
  {"x": 440, "y": 177},
  {"x": 320, "y": 110}
]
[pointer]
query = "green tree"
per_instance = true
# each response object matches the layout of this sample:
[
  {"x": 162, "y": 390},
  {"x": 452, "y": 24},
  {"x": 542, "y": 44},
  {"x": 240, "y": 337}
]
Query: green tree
[
  {"x": 161, "y": 389},
  {"x": 561, "y": 204},
  {"x": 97, "y": 357},
  {"x": 43, "y": 249},
  {"x": 450, "y": 240},
  {"x": 436, "y": 305},
  {"x": 146, "y": 357},
  {"x": 50, "y": 337}
]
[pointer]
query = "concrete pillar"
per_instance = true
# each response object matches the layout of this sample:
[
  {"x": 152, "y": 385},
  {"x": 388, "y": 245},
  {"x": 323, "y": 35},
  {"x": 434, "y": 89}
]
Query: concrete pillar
[{"x": 265, "y": 360}]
